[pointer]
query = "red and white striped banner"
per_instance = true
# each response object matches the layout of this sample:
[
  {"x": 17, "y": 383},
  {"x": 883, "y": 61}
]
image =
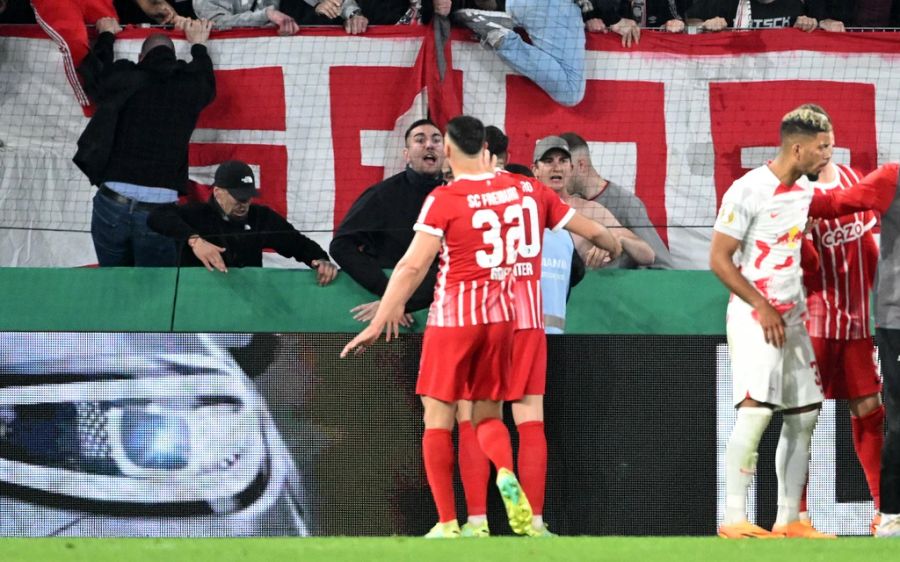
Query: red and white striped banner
[{"x": 321, "y": 116}]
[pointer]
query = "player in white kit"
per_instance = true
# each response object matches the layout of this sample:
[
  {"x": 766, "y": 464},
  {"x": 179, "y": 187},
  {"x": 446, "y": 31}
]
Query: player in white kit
[{"x": 761, "y": 220}]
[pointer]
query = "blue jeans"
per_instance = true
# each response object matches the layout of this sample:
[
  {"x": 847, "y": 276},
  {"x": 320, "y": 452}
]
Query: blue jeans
[
  {"x": 555, "y": 60},
  {"x": 122, "y": 238}
]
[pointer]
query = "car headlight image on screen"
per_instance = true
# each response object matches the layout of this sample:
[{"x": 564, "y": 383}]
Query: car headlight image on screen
[{"x": 139, "y": 434}]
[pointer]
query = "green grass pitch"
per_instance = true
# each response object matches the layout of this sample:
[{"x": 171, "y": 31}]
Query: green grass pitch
[{"x": 401, "y": 549}]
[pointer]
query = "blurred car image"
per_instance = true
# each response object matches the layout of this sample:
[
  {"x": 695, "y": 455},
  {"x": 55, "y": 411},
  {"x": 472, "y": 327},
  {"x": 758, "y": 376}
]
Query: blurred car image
[{"x": 121, "y": 434}]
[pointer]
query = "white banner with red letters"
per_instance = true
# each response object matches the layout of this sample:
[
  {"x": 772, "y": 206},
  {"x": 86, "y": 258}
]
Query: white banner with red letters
[{"x": 320, "y": 116}]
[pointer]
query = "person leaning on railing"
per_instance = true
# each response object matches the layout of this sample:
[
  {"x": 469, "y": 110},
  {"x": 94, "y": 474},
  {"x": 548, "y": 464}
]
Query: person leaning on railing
[
  {"x": 377, "y": 230},
  {"x": 716, "y": 15},
  {"x": 353, "y": 15},
  {"x": 65, "y": 23},
  {"x": 245, "y": 13},
  {"x": 230, "y": 231},
  {"x": 135, "y": 148}
]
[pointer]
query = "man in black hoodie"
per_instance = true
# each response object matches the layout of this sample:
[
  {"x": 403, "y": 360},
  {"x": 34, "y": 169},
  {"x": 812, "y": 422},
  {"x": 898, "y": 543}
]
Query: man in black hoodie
[
  {"x": 377, "y": 229},
  {"x": 230, "y": 231},
  {"x": 135, "y": 148}
]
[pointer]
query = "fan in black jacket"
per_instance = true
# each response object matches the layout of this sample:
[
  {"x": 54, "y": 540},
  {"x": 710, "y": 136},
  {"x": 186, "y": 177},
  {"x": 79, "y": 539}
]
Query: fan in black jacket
[
  {"x": 135, "y": 147},
  {"x": 806, "y": 15},
  {"x": 229, "y": 231},
  {"x": 377, "y": 230}
]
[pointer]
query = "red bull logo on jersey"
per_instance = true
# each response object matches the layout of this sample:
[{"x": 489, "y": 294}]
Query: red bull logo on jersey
[
  {"x": 843, "y": 234},
  {"x": 792, "y": 238}
]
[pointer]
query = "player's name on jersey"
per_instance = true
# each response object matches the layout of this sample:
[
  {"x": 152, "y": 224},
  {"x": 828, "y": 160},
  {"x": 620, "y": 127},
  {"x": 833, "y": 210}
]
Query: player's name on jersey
[
  {"x": 500, "y": 273},
  {"x": 523, "y": 269},
  {"x": 491, "y": 198}
]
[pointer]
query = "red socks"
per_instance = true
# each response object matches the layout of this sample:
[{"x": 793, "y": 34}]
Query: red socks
[
  {"x": 803, "y": 508},
  {"x": 437, "y": 451},
  {"x": 533, "y": 463},
  {"x": 494, "y": 440},
  {"x": 868, "y": 438},
  {"x": 474, "y": 470}
]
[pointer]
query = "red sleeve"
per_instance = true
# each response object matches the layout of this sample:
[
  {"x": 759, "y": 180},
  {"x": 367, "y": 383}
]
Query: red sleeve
[
  {"x": 876, "y": 191},
  {"x": 433, "y": 217},
  {"x": 809, "y": 263},
  {"x": 555, "y": 209}
]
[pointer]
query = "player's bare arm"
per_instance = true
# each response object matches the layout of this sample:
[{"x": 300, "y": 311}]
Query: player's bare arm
[
  {"x": 407, "y": 276},
  {"x": 596, "y": 233},
  {"x": 721, "y": 262}
]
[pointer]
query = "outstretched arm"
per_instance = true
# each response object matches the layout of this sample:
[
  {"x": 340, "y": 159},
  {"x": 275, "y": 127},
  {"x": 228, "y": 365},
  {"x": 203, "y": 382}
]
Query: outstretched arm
[
  {"x": 409, "y": 273},
  {"x": 876, "y": 191},
  {"x": 599, "y": 235},
  {"x": 169, "y": 220}
]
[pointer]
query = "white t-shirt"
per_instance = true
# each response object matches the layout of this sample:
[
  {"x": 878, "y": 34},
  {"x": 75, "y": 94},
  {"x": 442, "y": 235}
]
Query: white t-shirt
[{"x": 769, "y": 218}]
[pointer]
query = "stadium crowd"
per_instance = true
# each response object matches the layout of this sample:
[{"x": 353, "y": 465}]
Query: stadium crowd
[{"x": 598, "y": 15}]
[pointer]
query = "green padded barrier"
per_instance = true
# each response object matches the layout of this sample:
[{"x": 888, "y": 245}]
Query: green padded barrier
[
  {"x": 280, "y": 300},
  {"x": 114, "y": 299}
]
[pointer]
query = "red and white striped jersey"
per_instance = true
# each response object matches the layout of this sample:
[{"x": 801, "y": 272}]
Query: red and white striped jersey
[
  {"x": 478, "y": 219},
  {"x": 838, "y": 293},
  {"x": 541, "y": 208}
]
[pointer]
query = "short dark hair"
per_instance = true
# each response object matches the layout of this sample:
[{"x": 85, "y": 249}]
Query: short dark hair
[
  {"x": 520, "y": 169},
  {"x": 497, "y": 141},
  {"x": 467, "y": 133},
  {"x": 419, "y": 123},
  {"x": 155, "y": 40},
  {"x": 575, "y": 141},
  {"x": 806, "y": 120}
]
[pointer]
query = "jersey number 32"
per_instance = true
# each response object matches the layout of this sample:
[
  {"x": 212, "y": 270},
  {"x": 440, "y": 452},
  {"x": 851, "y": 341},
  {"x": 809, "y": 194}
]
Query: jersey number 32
[{"x": 523, "y": 235}]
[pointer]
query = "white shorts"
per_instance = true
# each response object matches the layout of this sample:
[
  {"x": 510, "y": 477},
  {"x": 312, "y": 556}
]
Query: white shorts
[{"x": 786, "y": 377}]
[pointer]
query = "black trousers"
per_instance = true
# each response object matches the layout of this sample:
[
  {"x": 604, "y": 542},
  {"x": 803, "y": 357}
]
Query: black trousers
[{"x": 889, "y": 353}]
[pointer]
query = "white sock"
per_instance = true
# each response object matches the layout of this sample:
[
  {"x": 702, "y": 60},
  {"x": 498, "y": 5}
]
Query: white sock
[
  {"x": 476, "y": 520},
  {"x": 792, "y": 463},
  {"x": 537, "y": 521},
  {"x": 740, "y": 460}
]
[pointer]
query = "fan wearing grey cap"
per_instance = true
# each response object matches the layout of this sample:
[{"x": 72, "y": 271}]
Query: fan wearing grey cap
[
  {"x": 230, "y": 231},
  {"x": 553, "y": 166}
]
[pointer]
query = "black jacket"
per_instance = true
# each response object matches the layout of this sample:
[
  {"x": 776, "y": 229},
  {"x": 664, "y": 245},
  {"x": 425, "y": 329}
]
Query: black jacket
[
  {"x": 658, "y": 11},
  {"x": 780, "y": 13},
  {"x": 377, "y": 230},
  {"x": 243, "y": 241},
  {"x": 146, "y": 113}
]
